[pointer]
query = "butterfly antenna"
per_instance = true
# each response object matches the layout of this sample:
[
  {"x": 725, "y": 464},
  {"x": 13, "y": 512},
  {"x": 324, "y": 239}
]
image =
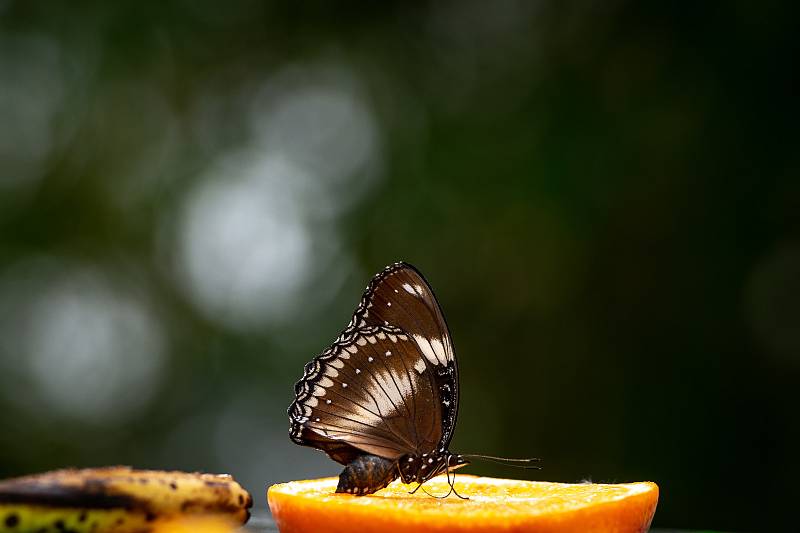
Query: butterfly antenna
[{"x": 527, "y": 463}]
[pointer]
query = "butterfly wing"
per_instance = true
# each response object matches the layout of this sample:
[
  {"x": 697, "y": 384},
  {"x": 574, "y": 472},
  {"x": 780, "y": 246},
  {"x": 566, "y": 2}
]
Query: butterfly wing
[
  {"x": 375, "y": 392},
  {"x": 400, "y": 296}
]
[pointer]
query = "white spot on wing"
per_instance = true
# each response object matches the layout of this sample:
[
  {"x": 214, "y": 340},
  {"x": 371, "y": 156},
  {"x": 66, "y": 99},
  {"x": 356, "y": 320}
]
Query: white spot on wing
[
  {"x": 438, "y": 349},
  {"x": 409, "y": 289},
  {"x": 426, "y": 348},
  {"x": 388, "y": 353},
  {"x": 419, "y": 366}
]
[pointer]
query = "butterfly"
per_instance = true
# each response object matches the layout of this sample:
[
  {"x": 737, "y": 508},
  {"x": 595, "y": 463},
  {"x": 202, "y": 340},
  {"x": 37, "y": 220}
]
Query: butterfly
[{"x": 383, "y": 398}]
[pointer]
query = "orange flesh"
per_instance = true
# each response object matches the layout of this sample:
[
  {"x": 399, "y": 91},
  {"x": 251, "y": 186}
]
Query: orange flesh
[{"x": 493, "y": 505}]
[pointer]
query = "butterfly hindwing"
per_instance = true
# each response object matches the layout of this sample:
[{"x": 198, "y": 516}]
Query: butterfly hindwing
[
  {"x": 375, "y": 392},
  {"x": 400, "y": 296}
]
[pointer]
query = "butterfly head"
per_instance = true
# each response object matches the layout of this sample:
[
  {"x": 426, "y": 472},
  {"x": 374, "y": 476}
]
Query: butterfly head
[{"x": 420, "y": 468}]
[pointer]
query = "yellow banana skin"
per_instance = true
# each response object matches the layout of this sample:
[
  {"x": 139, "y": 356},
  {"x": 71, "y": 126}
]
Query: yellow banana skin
[{"x": 116, "y": 500}]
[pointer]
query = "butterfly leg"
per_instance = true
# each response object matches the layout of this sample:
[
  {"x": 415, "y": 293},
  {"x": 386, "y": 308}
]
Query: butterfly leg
[
  {"x": 453, "y": 482},
  {"x": 451, "y": 491}
]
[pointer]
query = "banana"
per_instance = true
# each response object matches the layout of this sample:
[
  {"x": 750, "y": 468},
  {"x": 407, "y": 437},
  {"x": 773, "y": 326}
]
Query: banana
[{"x": 116, "y": 500}]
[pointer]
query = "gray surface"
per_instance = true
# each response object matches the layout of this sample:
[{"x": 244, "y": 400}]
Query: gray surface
[{"x": 260, "y": 522}]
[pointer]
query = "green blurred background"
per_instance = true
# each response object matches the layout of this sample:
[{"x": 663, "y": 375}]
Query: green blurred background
[{"x": 604, "y": 195}]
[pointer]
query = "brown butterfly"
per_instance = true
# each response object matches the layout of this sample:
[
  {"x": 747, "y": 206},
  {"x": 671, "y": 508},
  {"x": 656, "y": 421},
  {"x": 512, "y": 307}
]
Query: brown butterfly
[{"x": 383, "y": 398}]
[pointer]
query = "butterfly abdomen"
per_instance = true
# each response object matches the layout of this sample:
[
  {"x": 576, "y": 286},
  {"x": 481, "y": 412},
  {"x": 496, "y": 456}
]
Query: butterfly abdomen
[{"x": 367, "y": 474}]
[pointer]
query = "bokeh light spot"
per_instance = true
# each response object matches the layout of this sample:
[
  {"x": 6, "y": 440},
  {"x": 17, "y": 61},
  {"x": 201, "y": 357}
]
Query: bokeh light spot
[
  {"x": 245, "y": 248},
  {"x": 89, "y": 350},
  {"x": 257, "y": 231}
]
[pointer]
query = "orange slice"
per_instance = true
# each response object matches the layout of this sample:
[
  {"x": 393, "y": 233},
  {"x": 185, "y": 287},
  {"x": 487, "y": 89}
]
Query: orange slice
[{"x": 494, "y": 505}]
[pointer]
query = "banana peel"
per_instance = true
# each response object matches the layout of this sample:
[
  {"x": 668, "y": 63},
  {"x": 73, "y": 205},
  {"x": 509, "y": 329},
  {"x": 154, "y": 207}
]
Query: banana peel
[{"x": 117, "y": 500}]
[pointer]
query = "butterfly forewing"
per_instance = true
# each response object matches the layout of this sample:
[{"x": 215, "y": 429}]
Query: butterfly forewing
[
  {"x": 375, "y": 392},
  {"x": 399, "y": 296}
]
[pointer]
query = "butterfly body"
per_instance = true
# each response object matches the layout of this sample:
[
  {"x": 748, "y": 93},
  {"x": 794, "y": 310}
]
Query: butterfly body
[
  {"x": 369, "y": 473},
  {"x": 383, "y": 398}
]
